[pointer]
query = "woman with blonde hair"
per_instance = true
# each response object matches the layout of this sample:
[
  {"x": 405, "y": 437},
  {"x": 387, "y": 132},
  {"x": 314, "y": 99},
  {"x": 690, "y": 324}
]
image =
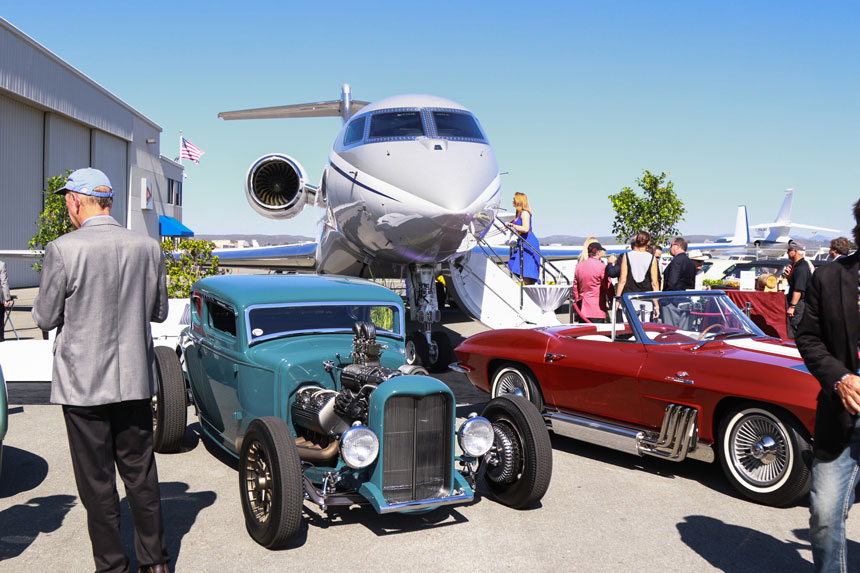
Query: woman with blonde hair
[
  {"x": 528, "y": 244},
  {"x": 584, "y": 254}
]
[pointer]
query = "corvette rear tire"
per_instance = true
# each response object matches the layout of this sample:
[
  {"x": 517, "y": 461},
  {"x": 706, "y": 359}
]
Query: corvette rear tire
[
  {"x": 169, "y": 408},
  {"x": 766, "y": 454},
  {"x": 512, "y": 377},
  {"x": 270, "y": 482},
  {"x": 519, "y": 466}
]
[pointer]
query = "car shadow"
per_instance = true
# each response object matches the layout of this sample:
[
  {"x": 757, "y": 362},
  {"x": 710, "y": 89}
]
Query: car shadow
[
  {"x": 383, "y": 525},
  {"x": 751, "y": 550},
  {"x": 709, "y": 475},
  {"x": 180, "y": 509},
  {"x": 22, "y": 471},
  {"x": 21, "y": 524}
]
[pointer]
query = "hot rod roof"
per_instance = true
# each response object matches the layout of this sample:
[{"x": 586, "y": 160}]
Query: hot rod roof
[{"x": 246, "y": 290}]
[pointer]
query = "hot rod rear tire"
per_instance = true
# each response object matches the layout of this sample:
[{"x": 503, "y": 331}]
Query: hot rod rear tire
[
  {"x": 169, "y": 408},
  {"x": 520, "y": 474},
  {"x": 765, "y": 454},
  {"x": 270, "y": 482}
]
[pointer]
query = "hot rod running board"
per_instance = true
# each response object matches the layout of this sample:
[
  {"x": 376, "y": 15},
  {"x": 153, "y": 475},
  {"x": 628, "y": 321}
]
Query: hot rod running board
[{"x": 677, "y": 440}]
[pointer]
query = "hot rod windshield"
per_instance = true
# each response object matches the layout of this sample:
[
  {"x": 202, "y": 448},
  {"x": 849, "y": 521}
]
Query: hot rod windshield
[
  {"x": 688, "y": 316},
  {"x": 276, "y": 320}
]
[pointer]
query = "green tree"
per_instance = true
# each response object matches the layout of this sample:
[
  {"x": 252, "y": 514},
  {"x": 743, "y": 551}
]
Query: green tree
[
  {"x": 53, "y": 220},
  {"x": 657, "y": 211},
  {"x": 187, "y": 262}
]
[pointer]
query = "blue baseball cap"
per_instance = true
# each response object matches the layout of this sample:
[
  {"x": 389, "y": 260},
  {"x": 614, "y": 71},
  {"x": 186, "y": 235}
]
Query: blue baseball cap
[{"x": 84, "y": 180}]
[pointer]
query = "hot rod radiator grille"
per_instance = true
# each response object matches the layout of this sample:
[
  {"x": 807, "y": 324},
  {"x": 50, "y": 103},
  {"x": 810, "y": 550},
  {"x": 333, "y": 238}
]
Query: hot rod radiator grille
[{"x": 416, "y": 446}]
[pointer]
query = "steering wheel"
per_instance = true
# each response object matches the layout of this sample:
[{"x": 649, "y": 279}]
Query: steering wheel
[{"x": 712, "y": 327}]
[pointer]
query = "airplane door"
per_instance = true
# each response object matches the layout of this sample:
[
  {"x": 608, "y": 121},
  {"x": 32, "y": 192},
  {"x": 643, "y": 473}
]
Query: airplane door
[{"x": 597, "y": 377}]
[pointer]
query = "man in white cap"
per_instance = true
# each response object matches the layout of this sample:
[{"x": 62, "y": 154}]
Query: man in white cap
[
  {"x": 799, "y": 278},
  {"x": 101, "y": 285}
]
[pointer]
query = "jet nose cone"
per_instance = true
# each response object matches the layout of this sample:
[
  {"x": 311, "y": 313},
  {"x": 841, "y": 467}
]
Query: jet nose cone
[{"x": 449, "y": 174}]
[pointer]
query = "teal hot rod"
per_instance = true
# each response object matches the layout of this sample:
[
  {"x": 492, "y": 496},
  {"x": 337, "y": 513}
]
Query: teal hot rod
[{"x": 304, "y": 379}]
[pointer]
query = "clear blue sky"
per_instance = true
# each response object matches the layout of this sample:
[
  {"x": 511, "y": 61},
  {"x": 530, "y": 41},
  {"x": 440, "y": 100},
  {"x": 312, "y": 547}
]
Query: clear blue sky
[{"x": 736, "y": 100}]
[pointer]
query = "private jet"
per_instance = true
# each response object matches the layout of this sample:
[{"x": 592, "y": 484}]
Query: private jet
[
  {"x": 411, "y": 183},
  {"x": 779, "y": 232}
]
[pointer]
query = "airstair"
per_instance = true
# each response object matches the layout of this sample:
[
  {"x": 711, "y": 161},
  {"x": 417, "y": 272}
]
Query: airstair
[{"x": 485, "y": 289}]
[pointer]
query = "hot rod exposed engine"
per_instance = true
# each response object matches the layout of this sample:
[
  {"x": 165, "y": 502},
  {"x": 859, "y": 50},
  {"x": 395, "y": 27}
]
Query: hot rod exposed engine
[{"x": 329, "y": 413}]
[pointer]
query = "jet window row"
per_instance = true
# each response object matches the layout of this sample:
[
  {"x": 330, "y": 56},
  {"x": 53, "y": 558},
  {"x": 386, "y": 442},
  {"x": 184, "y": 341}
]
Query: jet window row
[{"x": 410, "y": 124}]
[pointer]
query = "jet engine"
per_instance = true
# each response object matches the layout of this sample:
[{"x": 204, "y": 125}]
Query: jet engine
[{"x": 276, "y": 187}]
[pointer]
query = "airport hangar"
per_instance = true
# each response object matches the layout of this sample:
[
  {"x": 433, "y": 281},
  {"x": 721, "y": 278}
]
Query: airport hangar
[{"x": 53, "y": 118}]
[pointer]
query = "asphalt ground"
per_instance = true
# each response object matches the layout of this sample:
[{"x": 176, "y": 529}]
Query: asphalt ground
[{"x": 604, "y": 511}]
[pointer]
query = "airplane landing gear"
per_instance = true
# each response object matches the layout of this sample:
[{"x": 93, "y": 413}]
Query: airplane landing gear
[{"x": 432, "y": 350}]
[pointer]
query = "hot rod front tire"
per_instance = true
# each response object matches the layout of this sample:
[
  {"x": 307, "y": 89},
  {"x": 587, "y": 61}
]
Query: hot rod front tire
[
  {"x": 519, "y": 468},
  {"x": 270, "y": 482},
  {"x": 169, "y": 409},
  {"x": 765, "y": 454}
]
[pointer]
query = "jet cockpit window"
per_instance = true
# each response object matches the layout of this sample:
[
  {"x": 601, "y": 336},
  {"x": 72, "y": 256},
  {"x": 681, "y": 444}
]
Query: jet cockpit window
[
  {"x": 355, "y": 131},
  {"x": 456, "y": 125},
  {"x": 396, "y": 124}
]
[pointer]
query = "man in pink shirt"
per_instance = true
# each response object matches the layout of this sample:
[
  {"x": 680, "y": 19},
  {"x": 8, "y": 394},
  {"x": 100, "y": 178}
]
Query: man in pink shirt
[{"x": 591, "y": 286}]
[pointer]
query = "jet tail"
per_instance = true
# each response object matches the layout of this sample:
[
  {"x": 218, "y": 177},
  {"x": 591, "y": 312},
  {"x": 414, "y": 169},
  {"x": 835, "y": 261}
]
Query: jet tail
[
  {"x": 742, "y": 228},
  {"x": 784, "y": 214}
]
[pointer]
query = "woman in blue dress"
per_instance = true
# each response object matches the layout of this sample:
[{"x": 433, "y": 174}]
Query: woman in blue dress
[{"x": 522, "y": 225}]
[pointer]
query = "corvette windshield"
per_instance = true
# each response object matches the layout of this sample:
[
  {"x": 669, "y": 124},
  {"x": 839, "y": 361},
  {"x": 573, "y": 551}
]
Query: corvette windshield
[
  {"x": 667, "y": 319},
  {"x": 270, "y": 321}
]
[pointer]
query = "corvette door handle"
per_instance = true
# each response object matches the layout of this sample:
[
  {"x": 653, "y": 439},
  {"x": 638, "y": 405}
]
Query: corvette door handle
[
  {"x": 680, "y": 377},
  {"x": 550, "y": 357}
]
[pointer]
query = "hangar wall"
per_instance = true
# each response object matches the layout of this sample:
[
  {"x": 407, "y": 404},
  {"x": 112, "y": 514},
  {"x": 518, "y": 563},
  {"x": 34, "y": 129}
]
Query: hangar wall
[{"x": 53, "y": 118}]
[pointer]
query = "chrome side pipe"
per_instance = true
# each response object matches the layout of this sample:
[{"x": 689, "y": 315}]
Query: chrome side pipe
[{"x": 676, "y": 441}]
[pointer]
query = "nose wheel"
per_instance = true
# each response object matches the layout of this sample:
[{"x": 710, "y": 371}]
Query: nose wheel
[{"x": 435, "y": 355}]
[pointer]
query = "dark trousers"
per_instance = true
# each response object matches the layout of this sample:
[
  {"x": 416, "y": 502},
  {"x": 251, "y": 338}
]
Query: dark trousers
[
  {"x": 102, "y": 438},
  {"x": 793, "y": 322}
]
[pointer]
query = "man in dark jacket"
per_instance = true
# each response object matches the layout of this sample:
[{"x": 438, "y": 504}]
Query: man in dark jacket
[
  {"x": 828, "y": 338},
  {"x": 680, "y": 274}
]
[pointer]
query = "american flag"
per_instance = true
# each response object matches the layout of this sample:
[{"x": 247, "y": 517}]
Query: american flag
[{"x": 190, "y": 151}]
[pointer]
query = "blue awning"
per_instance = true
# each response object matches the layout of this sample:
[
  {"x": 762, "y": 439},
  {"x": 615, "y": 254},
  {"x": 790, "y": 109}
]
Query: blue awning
[{"x": 170, "y": 227}]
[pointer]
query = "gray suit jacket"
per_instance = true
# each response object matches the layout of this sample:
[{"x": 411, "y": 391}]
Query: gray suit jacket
[
  {"x": 5, "y": 294},
  {"x": 101, "y": 286}
]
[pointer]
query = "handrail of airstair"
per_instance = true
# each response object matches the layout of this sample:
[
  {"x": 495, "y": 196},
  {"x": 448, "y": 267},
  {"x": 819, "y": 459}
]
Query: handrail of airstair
[{"x": 500, "y": 226}]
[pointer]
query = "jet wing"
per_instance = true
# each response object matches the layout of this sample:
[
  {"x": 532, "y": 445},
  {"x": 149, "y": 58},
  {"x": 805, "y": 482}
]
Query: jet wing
[
  {"x": 814, "y": 228},
  {"x": 300, "y": 257},
  {"x": 319, "y": 109}
]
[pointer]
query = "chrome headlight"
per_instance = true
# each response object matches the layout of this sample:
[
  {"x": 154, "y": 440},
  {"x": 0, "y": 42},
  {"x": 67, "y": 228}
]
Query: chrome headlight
[
  {"x": 476, "y": 436},
  {"x": 359, "y": 447}
]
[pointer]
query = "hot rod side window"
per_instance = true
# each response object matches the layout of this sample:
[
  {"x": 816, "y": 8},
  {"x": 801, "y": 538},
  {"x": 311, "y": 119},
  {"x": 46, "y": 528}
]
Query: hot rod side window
[{"x": 221, "y": 317}]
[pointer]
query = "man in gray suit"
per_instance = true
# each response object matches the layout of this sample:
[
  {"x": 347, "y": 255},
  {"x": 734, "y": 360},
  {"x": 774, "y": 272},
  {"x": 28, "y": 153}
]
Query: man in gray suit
[
  {"x": 5, "y": 299},
  {"x": 101, "y": 285}
]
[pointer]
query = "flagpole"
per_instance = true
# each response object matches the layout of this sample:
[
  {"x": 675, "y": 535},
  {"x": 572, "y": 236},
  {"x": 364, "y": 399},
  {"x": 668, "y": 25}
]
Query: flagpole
[{"x": 180, "y": 147}]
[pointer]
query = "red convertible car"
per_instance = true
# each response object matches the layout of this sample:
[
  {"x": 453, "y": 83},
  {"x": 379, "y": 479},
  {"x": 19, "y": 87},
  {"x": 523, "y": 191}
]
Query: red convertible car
[{"x": 678, "y": 375}]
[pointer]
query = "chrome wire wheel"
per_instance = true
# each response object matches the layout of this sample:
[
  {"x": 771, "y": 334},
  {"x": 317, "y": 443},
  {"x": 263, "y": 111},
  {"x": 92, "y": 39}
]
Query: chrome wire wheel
[
  {"x": 759, "y": 450},
  {"x": 258, "y": 482},
  {"x": 510, "y": 380},
  {"x": 766, "y": 453}
]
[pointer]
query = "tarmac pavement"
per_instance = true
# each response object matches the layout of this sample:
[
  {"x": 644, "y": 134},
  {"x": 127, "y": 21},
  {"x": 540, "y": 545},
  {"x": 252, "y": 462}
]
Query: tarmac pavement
[{"x": 604, "y": 511}]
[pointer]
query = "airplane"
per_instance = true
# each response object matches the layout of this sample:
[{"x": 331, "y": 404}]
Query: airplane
[
  {"x": 410, "y": 184},
  {"x": 777, "y": 233}
]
